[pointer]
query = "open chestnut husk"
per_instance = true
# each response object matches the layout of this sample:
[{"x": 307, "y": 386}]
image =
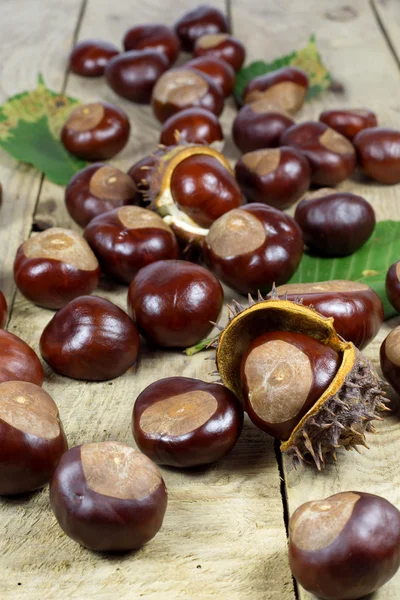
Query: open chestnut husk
[
  {"x": 252, "y": 247},
  {"x": 96, "y": 189},
  {"x": 331, "y": 156},
  {"x": 194, "y": 126},
  {"x": 129, "y": 238},
  {"x": 174, "y": 303},
  {"x": 202, "y": 20},
  {"x": 90, "y": 338},
  {"x": 349, "y": 121},
  {"x": 390, "y": 358},
  {"x": 182, "y": 88},
  {"x": 185, "y": 422},
  {"x": 341, "y": 414},
  {"x": 286, "y": 87},
  {"x": 3, "y": 310},
  {"x": 54, "y": 267},
  {"x": 96, "y": 131},
  {"x": 393, "y": 285},
  {"x": 191, "y": 186},
  {"x": 32, "y": 439},
  {"x": 274, "y": 176},
  {"x": 378, "y": 150},
  {"x": 18, "y": 361},
  {"x": 153, "y": 37},
  {"x": 346, "y": 546},
  {"x": 335, "y": 223},
  {"x": 108, "y": 496},
  {"x": 223, "y": 46},
  {"x": 218, "y": 70},
  {"x": 356, "y": 308}
]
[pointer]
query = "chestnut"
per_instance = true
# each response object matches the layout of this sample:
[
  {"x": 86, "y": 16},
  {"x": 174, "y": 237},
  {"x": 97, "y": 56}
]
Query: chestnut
[
  {"x": 139, "y": 173},
  {"x": 153, "y": 37},
  {"x": 54, "y": 267},
  {"x": 97, "y": 189},
  {"x": 331, "y": 156},
  {"x": 129, "y": 238},
  {"x": 3, "y": 310},
  {"x": 18, "y": 362},
  {"x": 286, "y": 87},
  {"x": 335, "y": 223},
  {"x": 221, "y": 45},
  {"x": 390, "y": 358},
  {"x": 32, "y": 439},
  {"x": 378, "y": 151},
  {"x": 89, "y": 58},
  {"x": 133, "y": 74},
  {"x": 185, "y": 422},
  {"x": 200, "y": 21},
  {"x": 345, "y": 546},
  {"x": 96, "y": 131},
  {"x": 183, "y": 88},
  {"x": 253, "y": 247},
  {"x": 192, "y": 125},
  {"x": 356, "y": 308},
  {"x": 173, "y": 303},
  {"x": 283, "y": 374},
  {"x": 259, "y": 125},
  {"x": 90, "y": 339},
  {"x": 108, "y": 497},
  {"x": 275, "y": 176},
  {"x": 218, "y": 70},
  {"x": 204, "y": 189},
  {"x": 349, "y": 121},
  {"x": 393, "y": 285}
]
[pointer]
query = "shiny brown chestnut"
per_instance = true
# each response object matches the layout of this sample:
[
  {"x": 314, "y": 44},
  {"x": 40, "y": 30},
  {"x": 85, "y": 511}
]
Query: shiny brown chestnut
[
  {"x": 390, "y": 358},
  {"x": 133, "y": 74},
  {"x": 393, "y": 285},
  {"x": 97, "y": 189},
  {"x": 356, "y": 308},
  {"x": 3, "y": 310},
  {"x": 182, "y": 88},
  {"x": 129, "y": 238},
  {"x": 54, "y": 267},
  {"x": 218, "y": 70},
  {"x": 221, "y": 45},
  {"x": 346, "y": 546},
  {"x": 253, "y": 247},
  {"x": 192, "y": 125},
  {"x": 283, "y": 374},
  {"x": 349, "y": 121},
  {"x": 185, "y": 422},
  {"x": 286, "y": 87},
  {"x": 96, "y": 131},
  {"x": 139, "y": 173},
  {"x": 18, "y": 362},
  {"x": 259, "y": 125},
  {"x": 335, "y": 223},
  {"x": 32, "y": 439},
  {"x": 378, "y": 151},
  {"x": 90, "y": 339},
  {"x": 204, "y": 189},
  {"x": 200, "y": 21},
  {"x": 174, "y": 302},
  {"x": 331, "y": 156},
  {"x": 89, "y": 58},
  {"x": 153, "y": 37},
  {"x": 108, "y": 497},
  {"x": 275, "y": 176}
]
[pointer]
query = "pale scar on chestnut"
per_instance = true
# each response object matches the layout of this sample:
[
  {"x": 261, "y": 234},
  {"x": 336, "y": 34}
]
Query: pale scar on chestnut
[
  {"x": 109, "y": 183},
  {"x": 63, "y": 245},
  {"x": 236, "y": 232},
  {"x": 85, "y": 118}
]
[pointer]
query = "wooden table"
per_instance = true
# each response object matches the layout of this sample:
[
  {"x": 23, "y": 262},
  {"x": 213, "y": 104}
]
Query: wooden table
[{"x": 224, "y": 534}]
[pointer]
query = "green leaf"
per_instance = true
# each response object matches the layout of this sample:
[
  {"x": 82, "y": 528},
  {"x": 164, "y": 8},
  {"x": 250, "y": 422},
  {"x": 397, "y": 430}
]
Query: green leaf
[
  {"x": 368, "y": 265},
  {"x": 30, "y": 127},
  {"x": 308, "y": 59}
]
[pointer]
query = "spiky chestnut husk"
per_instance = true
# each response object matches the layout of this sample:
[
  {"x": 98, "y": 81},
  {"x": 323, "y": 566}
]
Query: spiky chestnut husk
[
  {"x": 346, "y": 409},
  {"x": 158, "y": 181}
]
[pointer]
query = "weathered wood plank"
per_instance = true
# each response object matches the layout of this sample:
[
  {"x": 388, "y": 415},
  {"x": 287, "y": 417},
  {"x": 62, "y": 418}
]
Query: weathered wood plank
[
  {"x": 355, "y": 51},
  {"x": 33, "y": 39},
  {"x": 388, "y": 14},
  {"x": 224, "y": 533}
]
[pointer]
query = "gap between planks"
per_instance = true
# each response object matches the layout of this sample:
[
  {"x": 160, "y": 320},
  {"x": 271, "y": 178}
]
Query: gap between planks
[{"x": 384, "y": 32}]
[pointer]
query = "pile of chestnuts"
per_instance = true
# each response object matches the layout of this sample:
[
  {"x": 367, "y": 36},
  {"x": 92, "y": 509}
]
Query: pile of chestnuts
[{"x": 178, "y": 223}]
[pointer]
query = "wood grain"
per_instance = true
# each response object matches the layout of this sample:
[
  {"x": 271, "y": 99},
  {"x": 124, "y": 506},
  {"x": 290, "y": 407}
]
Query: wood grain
[
  {"x": 271, "y": 30},
  {"x": 388, "y": 14}
]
